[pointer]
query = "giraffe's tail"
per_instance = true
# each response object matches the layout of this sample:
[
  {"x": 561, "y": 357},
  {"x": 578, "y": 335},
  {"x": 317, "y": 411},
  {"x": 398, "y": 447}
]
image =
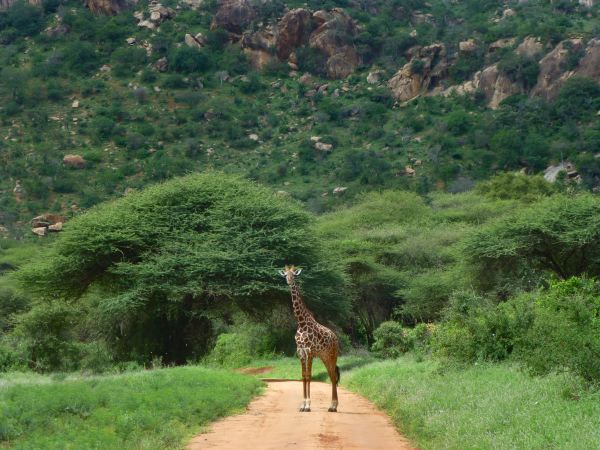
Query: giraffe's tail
[{"x": 337, "y": 375}]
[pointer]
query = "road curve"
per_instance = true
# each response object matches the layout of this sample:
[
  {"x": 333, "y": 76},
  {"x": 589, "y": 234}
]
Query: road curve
[{"x": 273, "y": 422}]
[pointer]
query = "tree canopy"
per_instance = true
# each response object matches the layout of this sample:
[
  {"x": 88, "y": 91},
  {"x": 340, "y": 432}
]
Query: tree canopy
[{"x": 156, "y": 266}]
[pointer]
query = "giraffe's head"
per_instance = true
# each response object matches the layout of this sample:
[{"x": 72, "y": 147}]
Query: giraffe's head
[{"x": 290, "y": 272}]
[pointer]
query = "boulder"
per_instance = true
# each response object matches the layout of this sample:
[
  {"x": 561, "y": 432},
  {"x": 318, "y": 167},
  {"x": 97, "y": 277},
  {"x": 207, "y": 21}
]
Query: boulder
[
  {"x": 553, "y": 69},
  {"x": 162, "y": 64},
  {"x": 339, "y": 190},
  {"x": 496, "y": 86},
  {"x": 74, "y": 161},
  {"x": 55, "y": 227},
  {"x": 294, "y": 30},
  {"x": 467, "y": 46},
  {"x": 530, "y": 47},
  {"x": 107, "y": 7},
  {"x": 501, "y": 43},
  {"x": 197, "y": 41},
  {"x": 551, "y": 172},
  {"x": 233, "y": 15},
  {"x": 258, "y": 46},
  {"x": 323, "y": 147},
  {"x": 374, "y": 77},
  {"x": 334, "y": 38},
  {"x": 426, "y": 68},
  {"x": 40, "y": 231},
  {"x": 46, "y": 220}
]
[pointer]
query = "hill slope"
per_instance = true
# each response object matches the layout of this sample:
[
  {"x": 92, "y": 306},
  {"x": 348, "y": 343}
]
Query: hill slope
[{"x": 357, "y": 95}]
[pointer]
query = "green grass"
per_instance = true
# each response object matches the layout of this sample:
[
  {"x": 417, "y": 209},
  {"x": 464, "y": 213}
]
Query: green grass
[
  {"x": 481, "y": 407},
  {"x": 289, "y": 368},
  {"x": 156, "y": 409}
]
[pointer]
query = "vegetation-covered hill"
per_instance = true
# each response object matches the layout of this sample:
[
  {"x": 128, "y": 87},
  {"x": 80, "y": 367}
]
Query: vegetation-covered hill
[{"x": 407, "y": 94}]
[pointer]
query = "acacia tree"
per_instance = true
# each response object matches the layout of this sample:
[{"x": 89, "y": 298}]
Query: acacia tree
[
  {"x": 156, "y": 268},
  {"x": 559, "y": 235}
]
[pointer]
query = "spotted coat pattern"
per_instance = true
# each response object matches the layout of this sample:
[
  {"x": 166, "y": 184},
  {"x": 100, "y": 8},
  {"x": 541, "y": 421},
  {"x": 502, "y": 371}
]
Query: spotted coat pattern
[{"x": 313, "y": 340}]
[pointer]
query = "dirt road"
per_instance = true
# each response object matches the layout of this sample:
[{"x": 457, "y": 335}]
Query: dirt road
[{"x": 273, "y": 422}]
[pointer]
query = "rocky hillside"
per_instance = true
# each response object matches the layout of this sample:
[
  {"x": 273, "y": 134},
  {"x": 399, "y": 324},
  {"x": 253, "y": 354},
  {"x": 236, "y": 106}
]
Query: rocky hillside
[{"x": 321, "y": 100}]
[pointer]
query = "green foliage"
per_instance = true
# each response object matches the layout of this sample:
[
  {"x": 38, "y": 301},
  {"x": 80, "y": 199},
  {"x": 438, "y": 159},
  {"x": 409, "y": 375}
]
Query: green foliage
[
  {"x": 21, "y": 19},
  {"x": 558, "y": 235},
  {"x": 311, "y": 60},
  {"x": 165, "y": 259},
  {"x": 148, "y": 409},
  {"x": 390, "y": 341},
  {"x": 516, "y": 186},
  {"x": 520, "y": 69},
  {"x": 46, "y": 334},
  {"x": 565, "y": 333},
  {"x": 440, "y": 407},
  {"x": 189, "y": 60},
  {"x": 578, "y": 97},
  {"x": 474, "y": 328}
]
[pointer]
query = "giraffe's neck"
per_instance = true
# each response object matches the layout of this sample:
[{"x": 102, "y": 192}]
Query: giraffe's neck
[{"x": 301, "y": 311}]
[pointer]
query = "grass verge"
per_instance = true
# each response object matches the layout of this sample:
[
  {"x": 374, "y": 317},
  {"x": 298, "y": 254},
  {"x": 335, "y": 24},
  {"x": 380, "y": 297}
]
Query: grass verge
[
  {"x": 288, "y": 368},
  {"x": 155, "y": 409},
  {"x": 490, "y": 406}
]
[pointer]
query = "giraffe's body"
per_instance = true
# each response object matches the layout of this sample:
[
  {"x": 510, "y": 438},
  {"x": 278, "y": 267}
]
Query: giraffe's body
[{"x": 312, "y": 340}]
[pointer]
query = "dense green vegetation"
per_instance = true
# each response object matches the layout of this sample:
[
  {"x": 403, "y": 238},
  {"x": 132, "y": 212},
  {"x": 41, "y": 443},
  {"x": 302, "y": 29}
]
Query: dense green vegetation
[
  {"x": 161, "y": 408},
  {"x": 483, "y": 406},
  {"x": 135, "y": 125}
]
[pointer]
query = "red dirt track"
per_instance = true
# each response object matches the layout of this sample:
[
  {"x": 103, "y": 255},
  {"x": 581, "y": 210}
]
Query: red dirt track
[{"x": 273, "y": 422}]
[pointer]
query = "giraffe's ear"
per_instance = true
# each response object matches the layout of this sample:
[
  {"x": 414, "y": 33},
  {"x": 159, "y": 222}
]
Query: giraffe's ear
[
  {"x": 298, "y": 272},
  {"x": 281, "y": 272}
]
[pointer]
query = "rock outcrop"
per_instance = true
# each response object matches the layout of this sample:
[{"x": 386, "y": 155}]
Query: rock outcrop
[
  {"x": 5, "y": 4},
  {"x": 74, "y": 161},
  {"x": 333, "y": 37},
  {"x": 530, "y": 47},
  {"x": 258, "y": 46},
  {"x": 158, "y": 14},
  {"x": 589, "y": 65},
  {"x": 553, "y": 69},
  {"x": 293, "y": 31},
  {"x": 233, "y": 15},
  {"x": 426, "y": 68},
  {"x": 107, "y": 7},
  {"x": 494, "y": 85}
]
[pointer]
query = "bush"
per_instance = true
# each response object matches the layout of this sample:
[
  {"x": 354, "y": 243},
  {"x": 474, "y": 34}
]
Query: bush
[
  {"x": 245, "y": 342},
  {"x": 188, "y": 60},
  {"x": 565, "y": 333},
  {"x": 47, "y": 336},
  {"x": 475, "y": 329},
  {"x": 390, "y": 341}
]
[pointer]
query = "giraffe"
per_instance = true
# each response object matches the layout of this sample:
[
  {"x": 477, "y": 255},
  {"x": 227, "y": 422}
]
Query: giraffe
[{"x": 312, "y": 339}]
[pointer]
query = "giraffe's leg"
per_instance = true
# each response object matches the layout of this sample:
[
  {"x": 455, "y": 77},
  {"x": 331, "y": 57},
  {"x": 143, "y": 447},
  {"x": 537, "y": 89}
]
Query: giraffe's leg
[
  {"x": 304, "y": 384},
  {"x": 308, "y": 378},
  {"x": 331, "y": 364}
]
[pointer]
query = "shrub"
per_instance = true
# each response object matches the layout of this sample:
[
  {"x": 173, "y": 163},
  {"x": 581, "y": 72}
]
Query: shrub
[
  {"x": 46, "y": 333},
  {"x": 475, "y": 329},
  {"x": 516, "y": 186},
  {"x": 565, "y": 333},
  {"x": 311, "y": 60},
  {"x": 390, "y": 341},
  {"x": 187, "y": 60}
]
